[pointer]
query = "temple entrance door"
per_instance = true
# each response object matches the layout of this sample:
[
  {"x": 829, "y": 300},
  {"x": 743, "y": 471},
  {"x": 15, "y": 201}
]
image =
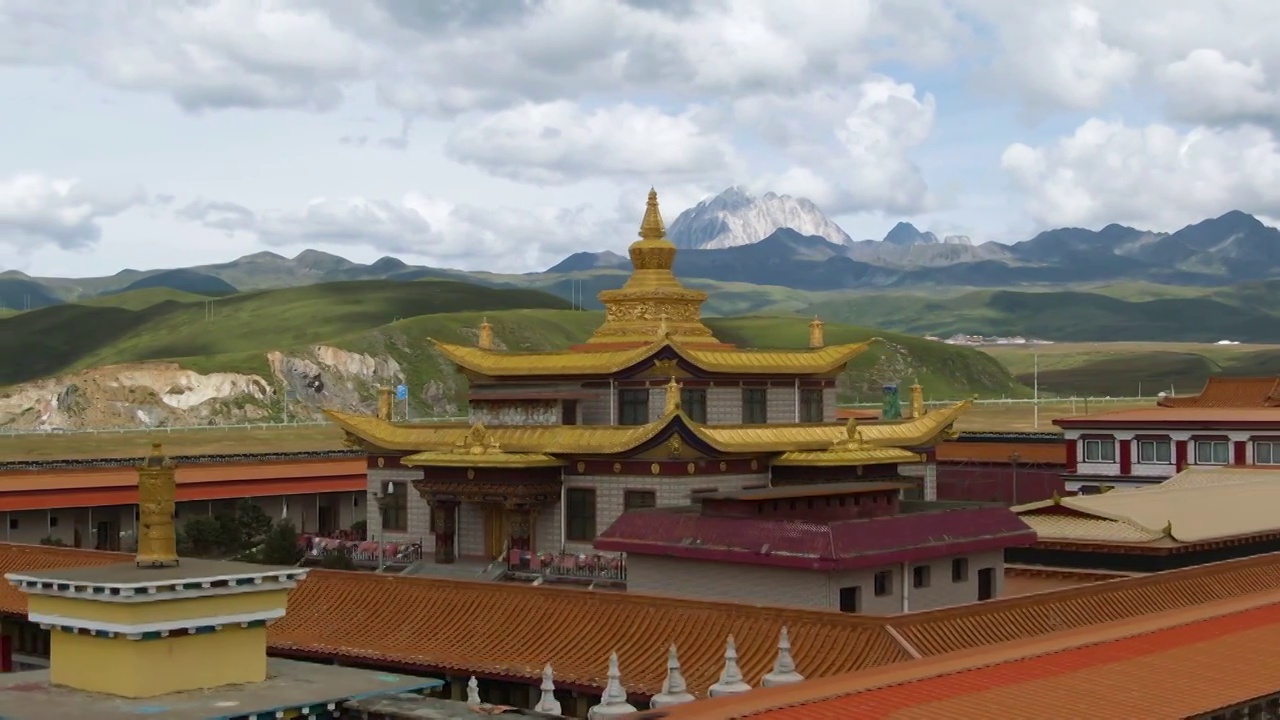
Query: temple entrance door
[{"x": 495, "y": 529}]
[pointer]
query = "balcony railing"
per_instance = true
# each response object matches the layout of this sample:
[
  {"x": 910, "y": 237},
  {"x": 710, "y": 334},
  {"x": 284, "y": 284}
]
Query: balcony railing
[
  {"x": 364, "y": 553},
  {"x": 569, "y": 566}
]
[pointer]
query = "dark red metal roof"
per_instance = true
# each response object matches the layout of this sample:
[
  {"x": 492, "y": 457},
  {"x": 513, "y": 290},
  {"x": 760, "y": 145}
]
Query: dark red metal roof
[{"x": 836, "y": 545}]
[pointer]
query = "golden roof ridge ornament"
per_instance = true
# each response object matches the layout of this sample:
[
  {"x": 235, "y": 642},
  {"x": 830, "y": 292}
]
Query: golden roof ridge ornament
[
  {"x": 673, "y": 397},
  {"x": 651, "y": 226},
  {"x": 477, "y": 441}
]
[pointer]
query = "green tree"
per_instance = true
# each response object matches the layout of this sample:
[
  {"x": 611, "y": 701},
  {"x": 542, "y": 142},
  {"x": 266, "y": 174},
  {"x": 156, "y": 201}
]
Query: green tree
[
  {"x": 202, "y": 536},
  {"x": 280, "y": 546},
  {"x": 252, "y": 524}
]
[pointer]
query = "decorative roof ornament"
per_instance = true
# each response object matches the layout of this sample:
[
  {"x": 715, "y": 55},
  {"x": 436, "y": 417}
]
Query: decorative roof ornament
[
  {"x": 1168, "y": 529},
  {"x": 731, "y": 681},
  {"x": 473, "y": 691},
  {"x": 548, "y": 702},
  {"x": 613, "y": 701},
  {"x": 673, "y": 397},
  {"x": 157, "y": 498},
  {"x": 477, "y": 441},
  {"x": 484, "y": 340},
  {"x": 674, "y": 690},
  {"x": 816, "y": 339},
  {"x": 784, "y": 666},
  {"x": 651, "y": 226},
  {"x": 853, "y": 438},
  {"x": 917, "y": 400}
]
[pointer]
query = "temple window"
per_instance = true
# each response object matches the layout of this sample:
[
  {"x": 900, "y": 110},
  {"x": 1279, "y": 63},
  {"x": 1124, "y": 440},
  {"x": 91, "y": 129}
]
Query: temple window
[
  {"x": 1266, "y": 452},
  {"x": 960, "y": 570},
  {"x": 811, "y": 406},
  {"x": 395, "y": 516},
  {"x": 694, "y": 403},
  {"x": 639, "y": 499},
  {"x": 755, "y": 406},
  {"x": 569, "y": 412},
  {"x": 920, "y": 576},
  {"x": 1155, "y": 452},
  {"x": 1213, "y": 452},
  {"x": 580, "y": 515},
  {"x": 633, "y": 407},
  {"x": 1100, "y": 451},
  {"x": 851, "y": 599},
  {"x": 884, "y": 583}
]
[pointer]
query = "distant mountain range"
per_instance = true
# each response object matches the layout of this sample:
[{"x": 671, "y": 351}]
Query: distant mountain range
[{"x": 773, "y": 240}]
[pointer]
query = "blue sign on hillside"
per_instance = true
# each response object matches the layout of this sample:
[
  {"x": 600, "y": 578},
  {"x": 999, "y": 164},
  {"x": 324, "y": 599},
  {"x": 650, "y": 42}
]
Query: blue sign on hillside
[{"x": 402, "y": 392}]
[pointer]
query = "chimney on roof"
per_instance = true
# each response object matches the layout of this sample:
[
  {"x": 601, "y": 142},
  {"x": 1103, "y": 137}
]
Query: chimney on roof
[
  {"x": 384, "y": 403},
  {"x": 485, "y": 339},
  {"x": 816, "y": 339}
]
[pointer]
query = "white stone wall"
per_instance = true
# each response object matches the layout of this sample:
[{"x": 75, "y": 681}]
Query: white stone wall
[
  {"x": 789, "y": 587},
  {"x": 524, "y": 412},
  {"x": 419, "y": 526}
]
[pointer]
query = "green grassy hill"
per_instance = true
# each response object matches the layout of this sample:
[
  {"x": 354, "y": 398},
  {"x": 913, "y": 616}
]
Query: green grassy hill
[
  {"x": 396, "y": 319},
  {"x": 230, "y": 333},
  {"x": 1245, "y": 313}
]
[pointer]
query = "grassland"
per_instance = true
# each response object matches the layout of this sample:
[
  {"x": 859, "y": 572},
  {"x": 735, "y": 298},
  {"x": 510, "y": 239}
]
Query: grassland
[
  {"x": 1132, "y": 368},
  {"x": 300, "y": 438}
]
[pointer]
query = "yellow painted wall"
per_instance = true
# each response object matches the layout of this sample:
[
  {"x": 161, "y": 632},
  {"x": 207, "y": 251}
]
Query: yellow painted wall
[
  {"x": 146, "y": 668},
  {"x": 157, "y": 611}
]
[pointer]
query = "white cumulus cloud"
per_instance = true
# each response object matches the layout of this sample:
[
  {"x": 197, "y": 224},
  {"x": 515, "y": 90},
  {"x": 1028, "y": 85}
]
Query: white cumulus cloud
[{"x": 37, "y": 210}]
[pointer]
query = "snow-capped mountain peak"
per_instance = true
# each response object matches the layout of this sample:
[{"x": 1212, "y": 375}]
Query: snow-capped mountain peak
[{"x": 735, "y": 217}]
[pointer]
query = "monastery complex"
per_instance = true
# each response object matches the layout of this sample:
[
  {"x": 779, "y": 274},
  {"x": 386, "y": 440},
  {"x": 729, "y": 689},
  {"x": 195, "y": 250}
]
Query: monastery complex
[{"x": 657, "y": 524}]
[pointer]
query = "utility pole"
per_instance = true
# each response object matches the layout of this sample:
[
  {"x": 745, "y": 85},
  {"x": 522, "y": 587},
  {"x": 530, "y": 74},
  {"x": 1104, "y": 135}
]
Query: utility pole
[
  {"x": 1013, "y": 460},
  {"x": 1035, "y": 392}
]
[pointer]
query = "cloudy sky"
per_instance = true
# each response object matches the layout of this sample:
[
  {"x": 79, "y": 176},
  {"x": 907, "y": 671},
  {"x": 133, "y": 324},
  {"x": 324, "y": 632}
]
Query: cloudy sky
[{"x": 505, "y": 134}]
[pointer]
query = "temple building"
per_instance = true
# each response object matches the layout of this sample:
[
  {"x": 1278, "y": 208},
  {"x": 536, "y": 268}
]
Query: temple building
[
  {"x": 853, "y": 547},
  {"x": 651, "y": 411},
  {"x": 178, "y": 638}
]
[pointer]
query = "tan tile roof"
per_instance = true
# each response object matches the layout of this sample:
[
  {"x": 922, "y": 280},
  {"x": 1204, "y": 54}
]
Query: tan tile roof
[
  {"x": 16, "y": 558},
  {"x": 1048, "y": 453},
  {"x": 1197, "y": 505},
  {"x": 1230, "y": 392},
  {"x": 1168, "y": 665}
]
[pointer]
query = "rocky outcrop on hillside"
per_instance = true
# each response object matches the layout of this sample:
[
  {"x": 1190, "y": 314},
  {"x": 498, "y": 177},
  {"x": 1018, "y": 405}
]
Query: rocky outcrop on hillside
[{"x": 297, "y": 387}]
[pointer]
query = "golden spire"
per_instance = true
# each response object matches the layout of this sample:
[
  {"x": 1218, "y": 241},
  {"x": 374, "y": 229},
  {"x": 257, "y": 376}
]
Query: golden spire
[
  {"x": 485, "y": 340},
  {"x": 816, "y": 339},
  {"x": 157, "y": 495},
  {"x": 632, "y": 312},
  {"x": 651, "y": 226},
  {"x": 385, "y": 394},
  {"x": 673, "y": 397}
]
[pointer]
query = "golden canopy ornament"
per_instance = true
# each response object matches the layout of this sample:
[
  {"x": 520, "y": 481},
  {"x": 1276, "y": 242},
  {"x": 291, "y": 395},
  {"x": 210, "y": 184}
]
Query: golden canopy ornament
[
  {"x": 477, "y": 441},
  {"x": 157, "y": 498}
]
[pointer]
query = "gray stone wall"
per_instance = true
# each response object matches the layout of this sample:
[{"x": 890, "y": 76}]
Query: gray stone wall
[
  {"x": 419, "y": 527},
  {"x": 790, "y": 587},
  {"x": 668, "y": 491}
]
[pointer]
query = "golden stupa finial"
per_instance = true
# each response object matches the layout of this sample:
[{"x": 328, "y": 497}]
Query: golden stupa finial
[
  {"x": 157, "y": 498},
  {"x": 651, "y": 227},
  {"x": 673, "y": 396},
  {"x": 484, "y": 340},
  {"x": 816, "y": 339}
]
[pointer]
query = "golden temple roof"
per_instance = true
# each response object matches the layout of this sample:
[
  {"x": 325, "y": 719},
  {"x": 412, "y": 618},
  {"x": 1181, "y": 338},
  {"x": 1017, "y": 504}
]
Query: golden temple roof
[
  {"x": 614, "y": 439},
  {"x": 605, "y": 362}
]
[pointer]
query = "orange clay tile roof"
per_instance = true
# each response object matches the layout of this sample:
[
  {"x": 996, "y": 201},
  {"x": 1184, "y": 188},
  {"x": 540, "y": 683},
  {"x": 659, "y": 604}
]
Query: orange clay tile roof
[
  {"x": 1170, "y": 665},
  {"x": 1156, "y": 415},
  {"x": 1049, "y": 453},
  {"x": 26, "y": 558},
  {"x": 511, "y": 631},
  {"x": 1231, "y": 392}
]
